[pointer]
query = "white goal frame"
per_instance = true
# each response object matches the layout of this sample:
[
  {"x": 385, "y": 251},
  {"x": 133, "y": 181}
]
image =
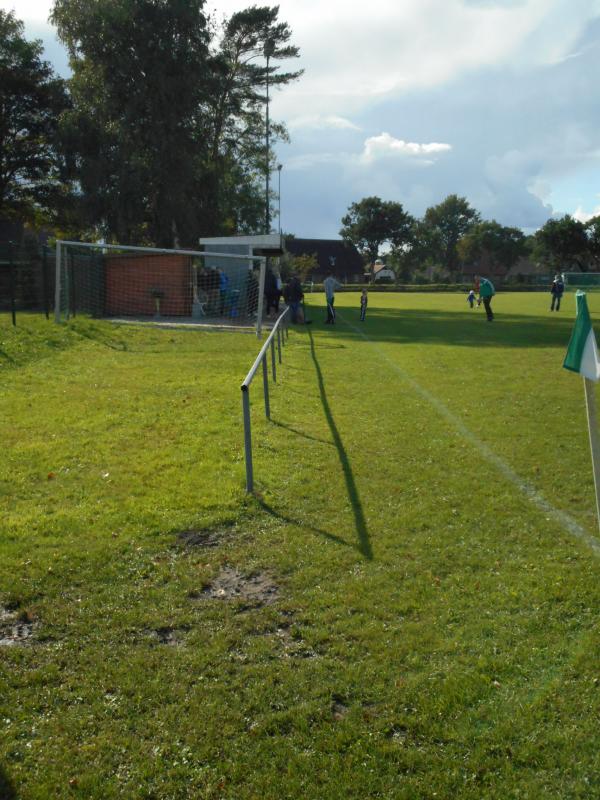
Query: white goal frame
[{"x": 163, "y": 251}]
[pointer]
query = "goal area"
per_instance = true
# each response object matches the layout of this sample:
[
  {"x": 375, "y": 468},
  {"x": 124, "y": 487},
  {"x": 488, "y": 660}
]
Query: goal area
[
  {"x": 582, "y": 280},
  {"x": 169, "y": 286}
]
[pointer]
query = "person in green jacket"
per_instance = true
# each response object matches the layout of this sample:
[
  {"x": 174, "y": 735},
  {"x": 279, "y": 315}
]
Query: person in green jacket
[{"x": 486, "y": 291}]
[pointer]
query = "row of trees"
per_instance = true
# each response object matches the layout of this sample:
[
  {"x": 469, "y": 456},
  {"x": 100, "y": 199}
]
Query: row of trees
[
  {"x": 158, "y": 136},
  {"x": 453, "y": 234}
]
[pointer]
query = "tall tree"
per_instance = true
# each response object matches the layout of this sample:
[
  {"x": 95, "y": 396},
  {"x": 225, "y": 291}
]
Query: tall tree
[
  {"x": 372, "y": 223},
  {"x": 32, "y": 99},
  {"x": 592, "y": 232},
  {"x": 237, "y": 110},
  {"x": 139, "y": 82},
  {"x": 503, "y": 245},
  {"x": 167, "y": 120},
  {"x": 563, "y": 244},
  {"x": 446, "y": 223}
]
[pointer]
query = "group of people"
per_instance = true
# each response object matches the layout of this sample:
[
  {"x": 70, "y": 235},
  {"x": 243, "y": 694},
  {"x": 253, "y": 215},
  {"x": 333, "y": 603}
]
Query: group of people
[{"x": 483, "y": 292}]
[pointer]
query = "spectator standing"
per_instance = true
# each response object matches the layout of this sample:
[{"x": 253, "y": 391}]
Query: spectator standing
[
  {"x": 364, "y": 301},
  {"x": 330, "y": 284},
  {"x": 293, "y": 296},
  {"x": 556, "y": 290}
]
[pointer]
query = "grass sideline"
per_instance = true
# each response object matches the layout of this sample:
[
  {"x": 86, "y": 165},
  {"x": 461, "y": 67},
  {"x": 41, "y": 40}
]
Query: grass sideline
[{"x": 433, "y": 633}]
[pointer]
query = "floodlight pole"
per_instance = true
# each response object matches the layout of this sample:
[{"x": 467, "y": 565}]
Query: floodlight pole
[
  {"x": 268, "y": 51},
  {"x": 279, "y": 168}
]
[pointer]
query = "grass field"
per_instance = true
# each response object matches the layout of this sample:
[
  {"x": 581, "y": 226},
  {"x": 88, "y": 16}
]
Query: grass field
[{"x": 408, "y": 607}]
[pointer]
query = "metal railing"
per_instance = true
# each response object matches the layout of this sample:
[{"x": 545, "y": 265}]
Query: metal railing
[{"x": 280, "y": 332}]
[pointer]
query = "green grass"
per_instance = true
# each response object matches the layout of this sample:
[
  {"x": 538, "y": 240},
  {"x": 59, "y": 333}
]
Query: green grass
[{"x": 435, "y": 630}]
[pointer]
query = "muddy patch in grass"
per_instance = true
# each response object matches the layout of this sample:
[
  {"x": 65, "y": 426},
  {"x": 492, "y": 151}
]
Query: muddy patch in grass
[
  {"x": 251, "y": 591},
  {"x": 172, "y": 637},
  {"x": 193, "y": 539},
  {"x": 16, "y": 628}
]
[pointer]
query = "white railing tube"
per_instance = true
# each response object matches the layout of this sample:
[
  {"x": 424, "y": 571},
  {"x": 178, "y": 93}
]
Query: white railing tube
[{"x": 245, "y": 387}]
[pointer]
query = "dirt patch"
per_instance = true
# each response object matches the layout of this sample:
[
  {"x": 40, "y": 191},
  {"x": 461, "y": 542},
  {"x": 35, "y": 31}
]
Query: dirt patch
[
  {"x": 254, "y": 590},
  {"x": 16, "y": 628},
  {"x": 292, "y": 645},
  {"x": 201, "y": 538},
  {"x": 173, "y": 637},
  {"x": 339, "y": 709}
]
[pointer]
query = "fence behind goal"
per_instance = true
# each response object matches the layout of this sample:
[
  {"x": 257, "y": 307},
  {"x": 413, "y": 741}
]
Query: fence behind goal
[{"x": 142, "y": 284}]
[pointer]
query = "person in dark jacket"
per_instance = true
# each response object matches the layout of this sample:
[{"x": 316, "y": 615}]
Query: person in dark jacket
[
  {"x": 556, "y": 290},
  {"x": 293, "y": 296},
  {"x": 271, "y": 293}
]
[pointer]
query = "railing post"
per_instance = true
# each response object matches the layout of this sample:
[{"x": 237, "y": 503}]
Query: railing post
[
  {"x": 57, "y": 281},
  {"x": 273, "y": 360},
  {"x": 279, "y": 344},
  {"x": 247, "y": 439},
  {"x": 13, "y": 300},
  {"x": 266, "y": 386}
]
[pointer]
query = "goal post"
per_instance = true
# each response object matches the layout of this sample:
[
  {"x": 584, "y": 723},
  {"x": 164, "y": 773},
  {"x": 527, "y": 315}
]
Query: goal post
[{"x": 173, "y": 285}]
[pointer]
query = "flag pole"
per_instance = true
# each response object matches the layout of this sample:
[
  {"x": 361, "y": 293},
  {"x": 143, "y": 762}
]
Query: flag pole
[{"x": 590, "y": 402}]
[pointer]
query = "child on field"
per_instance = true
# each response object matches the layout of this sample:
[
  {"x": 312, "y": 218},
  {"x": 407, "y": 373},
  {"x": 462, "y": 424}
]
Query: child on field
[
  {"x": 471, "y": 298},
  {"x": 363, "y": 305}
]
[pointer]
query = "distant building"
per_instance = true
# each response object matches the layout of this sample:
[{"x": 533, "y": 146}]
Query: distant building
[
  {"x": 381, "y": 272},
  {"x": 333, "y": 255}
]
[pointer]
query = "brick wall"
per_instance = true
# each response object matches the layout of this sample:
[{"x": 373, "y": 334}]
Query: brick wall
[{"x": 130, "y": 279}]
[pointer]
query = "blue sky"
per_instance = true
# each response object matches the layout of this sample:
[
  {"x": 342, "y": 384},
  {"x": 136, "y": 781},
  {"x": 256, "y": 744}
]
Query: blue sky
[{"x": 412, "y": 100}]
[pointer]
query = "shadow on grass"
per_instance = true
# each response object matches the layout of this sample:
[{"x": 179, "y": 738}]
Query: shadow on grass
[
  {"x": 7, "y": 790},
  {"x": 299, "y": 524},
  {"x": 10, "y": 359},
  {"x": 300, "y": 433},
  {"x": 364, "y": 543},
  {"x": 457, "y": 327}
]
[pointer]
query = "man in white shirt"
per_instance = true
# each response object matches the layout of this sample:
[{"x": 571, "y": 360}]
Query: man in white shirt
[{"x": 330, "y": 285}]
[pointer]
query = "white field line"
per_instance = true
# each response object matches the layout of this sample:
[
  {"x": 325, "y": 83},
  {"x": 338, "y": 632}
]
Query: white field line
[{"x": 564, "y": 519}]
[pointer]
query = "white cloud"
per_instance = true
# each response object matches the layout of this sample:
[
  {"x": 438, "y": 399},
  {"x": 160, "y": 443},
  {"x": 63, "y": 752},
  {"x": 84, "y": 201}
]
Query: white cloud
[
  {"x": 384, "y": 145},
  {"x": 585, "y": 216}
]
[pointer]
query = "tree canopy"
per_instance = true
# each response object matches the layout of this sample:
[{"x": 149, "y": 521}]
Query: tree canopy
[
  {"x": 503, "y": 245},
  {"x": 32, "y": 99},
  {"x": 372, "y": 223},
  {"x": 445, "y": 224},
  {"x": 166, "y": 126}
]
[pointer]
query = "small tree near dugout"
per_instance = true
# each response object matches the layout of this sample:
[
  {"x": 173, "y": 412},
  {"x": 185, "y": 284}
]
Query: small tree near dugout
[{"x": 32, "y": 99}]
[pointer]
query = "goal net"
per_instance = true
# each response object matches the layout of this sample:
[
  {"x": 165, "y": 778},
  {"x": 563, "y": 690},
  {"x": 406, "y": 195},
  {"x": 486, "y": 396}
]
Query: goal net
[
  {"x": 150, "y": 284},
  {"x": 582, "y": 280}
]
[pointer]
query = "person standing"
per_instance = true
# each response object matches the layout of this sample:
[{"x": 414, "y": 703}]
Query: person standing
[
  {"x": 556, "y": 290},
  {"x": 271, "y": 292},
  {"x": 471, "y": 298},
  {"x": 330, "y": 284},
  {"x": 293, "y": 296},
  {"x": 486, "y": 291},
  {"x": 364, "y": 300}
]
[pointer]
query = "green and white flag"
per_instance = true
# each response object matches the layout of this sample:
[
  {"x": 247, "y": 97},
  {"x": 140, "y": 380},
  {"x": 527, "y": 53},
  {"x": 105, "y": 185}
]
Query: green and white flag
[{"x": 582, "y": 354}]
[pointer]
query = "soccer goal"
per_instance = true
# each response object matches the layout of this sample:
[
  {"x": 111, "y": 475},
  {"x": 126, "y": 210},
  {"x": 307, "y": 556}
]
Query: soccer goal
[
  {"x": 582, "y": 280},
  {"x": 122, "y": 282}
]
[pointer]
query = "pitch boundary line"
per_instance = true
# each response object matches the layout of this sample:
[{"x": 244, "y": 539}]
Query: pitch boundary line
[{"x": 526, "y": 488}]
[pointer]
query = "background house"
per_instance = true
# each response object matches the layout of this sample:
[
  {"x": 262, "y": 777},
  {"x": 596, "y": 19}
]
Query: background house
[
  {"x": 333, "y": 255},
  {"x": 382, "y": 273}
]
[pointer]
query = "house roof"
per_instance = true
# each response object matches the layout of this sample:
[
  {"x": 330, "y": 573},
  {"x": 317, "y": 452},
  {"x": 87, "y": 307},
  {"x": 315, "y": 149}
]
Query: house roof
[{"x": 332, "y": 254}]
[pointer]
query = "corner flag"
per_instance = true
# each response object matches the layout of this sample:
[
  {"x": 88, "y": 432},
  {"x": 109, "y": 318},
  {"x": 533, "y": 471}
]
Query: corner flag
[{"x": 582, "y": 353}]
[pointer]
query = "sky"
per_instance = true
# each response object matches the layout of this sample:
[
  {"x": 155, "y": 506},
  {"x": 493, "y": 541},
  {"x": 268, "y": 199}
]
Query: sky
[{"x": 413, "y": 100}]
